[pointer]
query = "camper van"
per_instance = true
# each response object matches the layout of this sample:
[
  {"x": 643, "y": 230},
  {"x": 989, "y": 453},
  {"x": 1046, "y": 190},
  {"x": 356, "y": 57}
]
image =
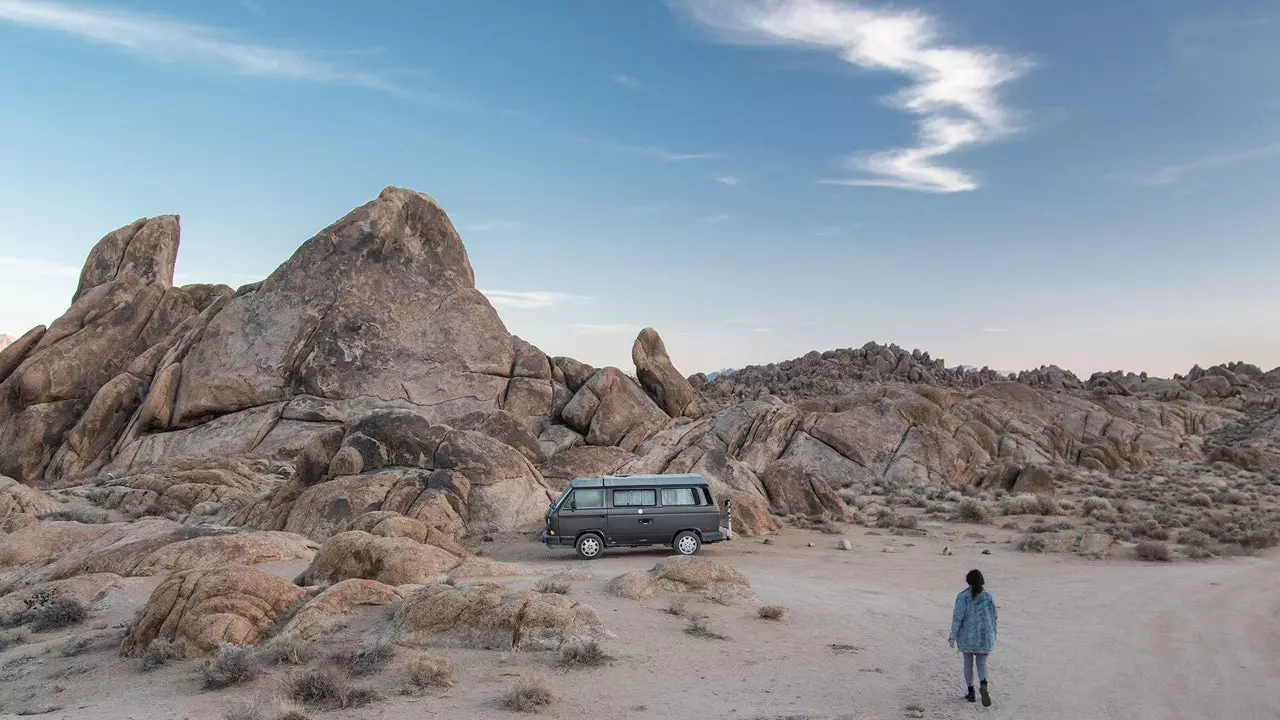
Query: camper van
[{"x": 599, "y": 512}]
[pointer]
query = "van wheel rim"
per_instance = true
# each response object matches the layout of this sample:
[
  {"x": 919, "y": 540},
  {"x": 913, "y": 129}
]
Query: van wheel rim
[
  {"x": 590, "y": 546},
  {"x": 688, "y": 545}
]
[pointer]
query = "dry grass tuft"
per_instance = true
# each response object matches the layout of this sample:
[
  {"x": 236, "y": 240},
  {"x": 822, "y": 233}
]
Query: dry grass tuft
[
  {"x": 555, "y": 587},
  {"x": 365, "y": 660},
  {"x": 88, "y": 516},
  {"x": 159, "y": 653},
  {"x": 772, "y": 612},
  {"x": 1153, "y": 551},
  {"x": 583, "y": 653},
  {"x": 700, "y": 626},
  {"x": 246, "y": 709},
  {"x": 528, "y": 696},
  {"x": 326, "y": 689},
  {"x": 289, "y": 649},
  {"x": 972, "y": 510},
  {"x": 1033, "y": 543},
  {"x": 232, "y": 665},
  {"x": 48, "y": 612},
  {"x": 677, "y": 606},
  {"x": 11, "y": 638},
  {"x": 1028, "y": 504},
  {"x": 430, "y": 672}
]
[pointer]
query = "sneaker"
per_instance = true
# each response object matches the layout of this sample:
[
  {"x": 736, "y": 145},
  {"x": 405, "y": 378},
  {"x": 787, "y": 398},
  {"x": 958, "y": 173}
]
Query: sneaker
[
  {"x": 971, "y": 697},
  {"x": 986, "y": 697}
]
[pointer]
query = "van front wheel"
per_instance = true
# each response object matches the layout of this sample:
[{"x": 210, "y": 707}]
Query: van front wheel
[
  {"x": 687, "y": 543},
  {"x": 590, "y": 546}
]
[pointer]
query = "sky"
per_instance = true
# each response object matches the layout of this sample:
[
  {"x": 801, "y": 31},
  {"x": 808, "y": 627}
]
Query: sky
[{"x": 1090, "y": 184}]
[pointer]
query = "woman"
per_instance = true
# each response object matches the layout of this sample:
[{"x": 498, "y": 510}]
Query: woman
[{"x": 973, "y": 628}]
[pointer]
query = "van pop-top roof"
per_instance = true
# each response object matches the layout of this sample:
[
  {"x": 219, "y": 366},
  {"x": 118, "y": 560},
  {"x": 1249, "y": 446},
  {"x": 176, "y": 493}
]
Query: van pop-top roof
[{"x": 613, "y": 481}]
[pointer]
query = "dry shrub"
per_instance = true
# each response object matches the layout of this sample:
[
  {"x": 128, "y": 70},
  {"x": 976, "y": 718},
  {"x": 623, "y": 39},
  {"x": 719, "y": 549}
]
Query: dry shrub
[
  {"x": 1033, "y": 543},
  {"x": 159, "y": 653},
  {"x": 700, "y": 626},
  {"x": 1236, "y": 497},
  {"x": 677, "y": 606},
  {"x": 556, "y": 587},
  {"x": 288, "y": 649},
  {"x": 232, "y": 665},
  {"x": 528, "y": 696},
  {"x": 48, "y": 612},
  {"x": 1028, "y": 504},
  {"x": 246, "y": 709},
  {"x": 1093, "y": 506},
  {"x": 430, "y": 672},
  {"x": 326, "y": 689},
  {"x": 772, "y": 612},
  {"x": 583, "y": 653},
  {"x": 972, "y": 510},
  {"x": 1200, "y": 500},
  {"x": 1153, "y": 551},
  {"x": 88, "y": 516},
  {"x": 364, "y": 660},
  {"x": 1200, "y": 553}
]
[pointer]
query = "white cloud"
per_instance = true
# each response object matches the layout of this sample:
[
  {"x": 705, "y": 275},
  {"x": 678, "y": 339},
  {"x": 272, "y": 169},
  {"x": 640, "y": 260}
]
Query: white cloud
[
  {"x": 173, "y": 41},
  {"x": 952, "y": 90},
  {"x": 729, "y": 180},
  {"x": 32, "y": 267},
  {"x": 829, "y": 231},
  {"x": 529, "y": 299},
  {"x": 994, "y": 330},
  {"x": 762, "y": 330},
  {"x": 595, "y": 329},
  {"x": 718, "y": 218},
  {"x": 681, "y": 157},
  {"x": 1171, "y": 174},
  {"x": 491, "y": 225},
  {"x": 625, "y": 81}
]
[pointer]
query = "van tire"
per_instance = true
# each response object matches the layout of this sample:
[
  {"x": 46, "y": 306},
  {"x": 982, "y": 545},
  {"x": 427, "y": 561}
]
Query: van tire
[
  {"x": 686, "y": 543},
  {"x": 589, "y": 546}
]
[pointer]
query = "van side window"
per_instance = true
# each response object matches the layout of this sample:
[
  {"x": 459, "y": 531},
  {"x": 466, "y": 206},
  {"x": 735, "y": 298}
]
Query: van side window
[
  {"x": 634, "y": 498},
  {"x": 588, "y": 499},
  {"x": 679, "y": 496}
]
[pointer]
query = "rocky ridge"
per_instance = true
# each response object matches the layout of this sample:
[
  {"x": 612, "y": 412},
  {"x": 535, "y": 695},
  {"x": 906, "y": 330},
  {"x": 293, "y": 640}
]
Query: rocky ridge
[{"x": 365, "y": 409}]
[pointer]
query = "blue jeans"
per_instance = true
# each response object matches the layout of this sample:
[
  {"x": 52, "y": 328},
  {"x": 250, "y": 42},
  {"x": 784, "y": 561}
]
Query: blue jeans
[{"x": 969, "y": 659}]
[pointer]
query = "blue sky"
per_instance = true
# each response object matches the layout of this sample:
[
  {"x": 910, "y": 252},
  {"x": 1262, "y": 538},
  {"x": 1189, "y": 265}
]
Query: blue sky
[{"x": 999, "y": 182}]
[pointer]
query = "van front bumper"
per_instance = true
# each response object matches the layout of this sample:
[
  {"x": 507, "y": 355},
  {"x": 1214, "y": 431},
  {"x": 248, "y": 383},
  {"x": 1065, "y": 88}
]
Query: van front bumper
[{"x": 555, "y": 540}]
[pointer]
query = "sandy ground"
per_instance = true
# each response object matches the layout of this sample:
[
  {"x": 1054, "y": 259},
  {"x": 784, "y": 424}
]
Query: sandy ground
[{"x": 865, "y": 638}]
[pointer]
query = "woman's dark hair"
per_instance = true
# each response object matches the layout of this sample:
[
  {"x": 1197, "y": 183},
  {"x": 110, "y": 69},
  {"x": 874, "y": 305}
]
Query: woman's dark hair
[{"x": 976, "y": 581}]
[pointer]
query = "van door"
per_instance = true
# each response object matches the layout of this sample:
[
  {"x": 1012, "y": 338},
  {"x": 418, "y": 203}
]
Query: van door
[
  {"x": 583, "y": 510},
  {"x": 632, "y": 516}
]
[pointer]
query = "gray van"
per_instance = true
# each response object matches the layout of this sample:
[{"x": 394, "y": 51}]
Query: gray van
[{"x": 599, "y": 512}]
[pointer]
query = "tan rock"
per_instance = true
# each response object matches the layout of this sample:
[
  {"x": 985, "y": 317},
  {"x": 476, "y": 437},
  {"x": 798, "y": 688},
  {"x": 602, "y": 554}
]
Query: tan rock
[
  {"x": 612, "y": 409},
  {"x": 480, "y": 567},
  {"x": 316, "y": 618},
  {"x": 660, "y": 378},
  {"x": 495, "y": 616},
  {"x": 637, "y": 585},
  {"x": 205, "y": 608},
  {"x": 85, "y": 589},
  {"x": 392, "y": 561},
  {"x": 20, "y": 505}
]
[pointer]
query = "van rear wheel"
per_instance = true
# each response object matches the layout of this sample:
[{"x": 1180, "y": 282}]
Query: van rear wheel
[
  {"x": 687, "y": 543},
  {"x": 589, "y": 546}
]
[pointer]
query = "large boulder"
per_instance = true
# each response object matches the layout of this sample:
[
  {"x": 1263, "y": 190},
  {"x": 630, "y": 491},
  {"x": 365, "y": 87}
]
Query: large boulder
[
  {"x": 206, "y": 608},
  {"x": 491, "y": 615},
  {"x": 21, "y": 505},
  {"x": 660, "y": 378},
  {"x": 612, "y": 409},
  {"x": 388, "y": 560},
  {"x": 320, "y": 613},
  {"x": 584, "y": 461}
]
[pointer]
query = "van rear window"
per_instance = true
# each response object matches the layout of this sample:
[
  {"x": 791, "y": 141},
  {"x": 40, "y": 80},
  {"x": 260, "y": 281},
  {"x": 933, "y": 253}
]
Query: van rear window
[
  {"x": 634, "y": 498},
  {"x": 679, "y": 496}
]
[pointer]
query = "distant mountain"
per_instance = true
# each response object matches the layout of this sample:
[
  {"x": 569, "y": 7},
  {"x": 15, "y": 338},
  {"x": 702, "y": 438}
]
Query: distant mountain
[
  {"x": 6, "y": 340},
  {"x": 718, "y": 373}
]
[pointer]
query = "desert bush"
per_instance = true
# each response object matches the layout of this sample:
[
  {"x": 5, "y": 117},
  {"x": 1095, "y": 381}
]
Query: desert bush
[
  {"x": 1236, "y": 497},
  {"x": 583, "y": 653},
  {"x": 1033, "y": 543},
  {"x": 287, "y": 709},
  {"x": 677, "y": 606},
  {"x": 556, "y": 587},
  {"x": 429, "y": 671},
  {"x": 159, "y": 653},
  {"x": 89, "y": 516},
  {"x": 1158, "y": 533},
  {"x": 46, "y": 613},
  {"x": 1028, "y": 504},
  {"x": 1194, "y": 538},
  {"x": 772, "y": 612},
  {"x": 244, "y": 709},
  {"x": 973, "y": 511},
  {"x": 288, "y": 649},
  {"x": 937, "y": 508},
  {"x": 1153, "y": 551},
  {"x": 1200, "y": 553},
  {"x": 364, "y": 660},
  {"x": 326, "y": 689},
  {"x": 700, "y": 626},
  {"x": 1094, "y": 505},
  {"x": 1010, "y": 525},
  {"x": 528, "y": 696},
  {"x": 232, "y": 665}
]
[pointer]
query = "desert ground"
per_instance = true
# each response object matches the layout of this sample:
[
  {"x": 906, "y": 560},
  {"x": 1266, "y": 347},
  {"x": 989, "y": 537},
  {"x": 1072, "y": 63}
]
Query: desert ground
[{"x": 864, "y": 636}]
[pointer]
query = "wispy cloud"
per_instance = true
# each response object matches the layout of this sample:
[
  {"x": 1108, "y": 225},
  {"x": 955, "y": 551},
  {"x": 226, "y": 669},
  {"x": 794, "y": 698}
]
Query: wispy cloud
[
  {"x": 172, "y": 41},
  {"x": 491, "y": 225},
  {"x": 762, "y": 330},
  {"x": 32, "y": 267},
  {"x": 994, "y": 330},
  {"x": 829, "y": 231},
  {"x": 1171, "y": 174},
  {"x": 596, "y": 329},
  {"x": 729, "y": 180},
  {"x": 655, "y": 152},
  {"x": 717, "y": 218},
  {"x": 680, "y": 157},
  {"x": 625, "y": 81},
  {"x": 953, "y": 89},
  {"x": 529, "y": 299}
]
